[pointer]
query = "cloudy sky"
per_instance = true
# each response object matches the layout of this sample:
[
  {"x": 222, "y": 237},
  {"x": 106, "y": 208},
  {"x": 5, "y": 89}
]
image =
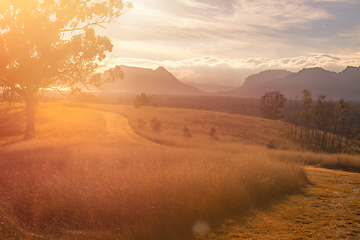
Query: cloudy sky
[{"x": 224, "y": 41}]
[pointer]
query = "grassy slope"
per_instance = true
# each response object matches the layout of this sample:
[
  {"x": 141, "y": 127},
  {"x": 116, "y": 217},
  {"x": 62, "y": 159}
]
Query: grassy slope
[
  {"x": 327, "y": 209},
  {"x": 77, "y": 180},
  {"x": 229, "y": 128}
]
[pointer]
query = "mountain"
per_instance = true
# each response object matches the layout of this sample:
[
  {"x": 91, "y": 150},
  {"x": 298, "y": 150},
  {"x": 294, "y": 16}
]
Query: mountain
[
  {"x": 345, "y": 84},
  {"x": 262, "y": 77},
  {"x": 142, "y": 80},
  {"x": 210, "y": 87}
]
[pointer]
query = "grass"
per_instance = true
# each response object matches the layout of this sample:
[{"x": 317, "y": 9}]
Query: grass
[
  {"x": 229, "y": 128},
  {"x": 331, "y": 161},
  {"x": 79, "y": 181},
  {"x": 327, "y": 208}
]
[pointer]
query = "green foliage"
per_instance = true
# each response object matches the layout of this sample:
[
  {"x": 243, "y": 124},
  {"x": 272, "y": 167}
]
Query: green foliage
[{"x": 270, "y": 105}]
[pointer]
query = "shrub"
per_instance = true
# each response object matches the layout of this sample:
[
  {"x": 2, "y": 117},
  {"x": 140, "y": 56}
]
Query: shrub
[
  {"x": 142, "y": 100},
  {"x": 271, "y": 144},
  {"x": 187, "y": 132},
  {"x": 156, "y": 125},
  {"x": 137, "y": 104},
  {"x": 140, "y": 123}
]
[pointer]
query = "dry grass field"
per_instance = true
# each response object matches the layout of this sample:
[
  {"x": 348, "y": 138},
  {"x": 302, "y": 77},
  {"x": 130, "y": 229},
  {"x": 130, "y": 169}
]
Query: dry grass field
[
  {"x": 328, "y": 208},
  {"x": 91, "y": 173}
]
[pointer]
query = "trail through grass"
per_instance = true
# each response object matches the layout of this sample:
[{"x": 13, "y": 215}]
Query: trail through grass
[
  {"x": 329, "y": 208},
  {"x": 87, "y": 175}
]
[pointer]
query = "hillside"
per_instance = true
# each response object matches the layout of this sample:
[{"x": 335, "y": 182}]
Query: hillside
[
  {"x": 257, "y": 79},
  {"x": 142, "y": 80},
  {"x": 87, "y": 175},
  {"x": 345, "y": 84},
  {"x": 327, "y": 208},
  {"x": 115, "y": 172}
]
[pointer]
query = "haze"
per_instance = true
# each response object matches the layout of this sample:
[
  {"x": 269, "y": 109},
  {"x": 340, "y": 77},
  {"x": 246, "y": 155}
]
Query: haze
[{"x": 225, "y": 41}]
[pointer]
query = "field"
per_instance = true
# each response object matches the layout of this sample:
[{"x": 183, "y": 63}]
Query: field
[{"x": 116, "y": 172}]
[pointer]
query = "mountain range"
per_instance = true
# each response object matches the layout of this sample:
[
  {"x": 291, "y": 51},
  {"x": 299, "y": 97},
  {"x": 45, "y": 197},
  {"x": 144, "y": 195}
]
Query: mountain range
[
  {"x": 345, "y": 84},
  {"x": 142, "y": 80}
]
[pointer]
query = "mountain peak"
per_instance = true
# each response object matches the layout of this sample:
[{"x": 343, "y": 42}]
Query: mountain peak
[
  {"x": 145, "y": 80},
  {"x": 161, "y": 69},
  {"x": 351, "y": 69},
  {"x": 264, "y": 76},
  {"x": 312, "y": 69}
]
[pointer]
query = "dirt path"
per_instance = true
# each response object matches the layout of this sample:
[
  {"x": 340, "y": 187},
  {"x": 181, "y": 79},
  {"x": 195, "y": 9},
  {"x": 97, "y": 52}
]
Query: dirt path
[
  {"x": 118, "y": 126},
  {"x": 329, "y": 208}
]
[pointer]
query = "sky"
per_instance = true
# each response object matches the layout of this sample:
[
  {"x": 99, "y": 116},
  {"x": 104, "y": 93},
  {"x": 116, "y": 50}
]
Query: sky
[{"x": 224, "y": 41}]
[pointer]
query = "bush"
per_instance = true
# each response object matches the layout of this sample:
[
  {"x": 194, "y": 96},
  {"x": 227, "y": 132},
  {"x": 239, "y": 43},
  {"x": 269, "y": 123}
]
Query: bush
[
  {"x": 187, "y": 132},
  {"x": 271, "y": 144},
  {"x": 156, "y": 125},
  {"x": 140, "y": 123},
  {"x": 142, "y": 100}
]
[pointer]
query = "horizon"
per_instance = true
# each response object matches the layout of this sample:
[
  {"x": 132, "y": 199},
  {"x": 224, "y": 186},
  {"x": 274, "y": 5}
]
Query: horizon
[
  {"x": 220, "y": 84},
  {"x": 223, "y": 42}
]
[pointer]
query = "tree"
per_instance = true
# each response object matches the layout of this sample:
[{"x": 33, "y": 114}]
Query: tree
[
  {"x": 341, "y": 113},
  {"x": 323, "y": 115},
  {"x": 306, "y": 114},
  {"x": 142, "y": 100},
  {"x": 270, "y": 105},
  {"x": 52, "y": 43}
]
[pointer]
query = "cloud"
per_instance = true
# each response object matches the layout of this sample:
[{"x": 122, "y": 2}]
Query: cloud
[
  {"x": 239, "y": 37},
  {"x": 353, "y": 34},
  {"x": 227, "y": 18},
  {"x": 231, "y": 28}
]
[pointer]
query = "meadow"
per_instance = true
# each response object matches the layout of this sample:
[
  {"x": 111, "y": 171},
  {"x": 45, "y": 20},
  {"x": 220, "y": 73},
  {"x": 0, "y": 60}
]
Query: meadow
[{"x": 81, "y": 178}]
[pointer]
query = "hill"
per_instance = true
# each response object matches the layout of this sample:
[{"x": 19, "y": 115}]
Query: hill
[
  {"x": 142, "y": 80},
  {"x": 345, "y": 84},
  {"x": 87, "y": 176}
]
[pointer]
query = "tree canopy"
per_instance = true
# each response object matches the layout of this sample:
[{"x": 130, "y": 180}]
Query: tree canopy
[
  {"x": 52, "y": 43},
  {"x": 270, "y": 105}
]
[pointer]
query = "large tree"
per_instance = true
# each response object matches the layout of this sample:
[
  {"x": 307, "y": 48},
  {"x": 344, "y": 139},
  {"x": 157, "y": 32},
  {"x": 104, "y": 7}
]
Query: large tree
[
  {"x": 306, "y": 113},
  {"x": 270, "y": 105},
  {"x": 52, "y": 43}
]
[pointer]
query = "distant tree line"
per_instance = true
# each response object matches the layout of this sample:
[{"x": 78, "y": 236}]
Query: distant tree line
[
  {"x": 318, "y": 124},
  {"x": 321, "y": 124}
]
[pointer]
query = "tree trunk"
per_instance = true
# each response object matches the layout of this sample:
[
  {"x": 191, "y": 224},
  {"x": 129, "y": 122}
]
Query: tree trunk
[
  {"x": 30, "y": 115},
  {"x": 323, "y": 139},
  {"x": 334, "y": 134}
]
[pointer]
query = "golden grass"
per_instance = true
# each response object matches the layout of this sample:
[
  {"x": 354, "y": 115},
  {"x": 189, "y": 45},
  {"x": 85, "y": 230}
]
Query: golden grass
[
  {"x": 230, "y": 128},
  {"x": 75, "y": 181},
  {"x": 332, "y": 161},
  {"x": 326, "y": 209}
]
